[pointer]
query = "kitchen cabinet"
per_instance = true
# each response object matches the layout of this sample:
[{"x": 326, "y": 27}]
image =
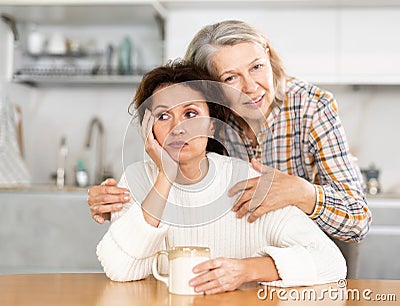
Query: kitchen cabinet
[
  {"x": 379, "y": 250},
  {"x": 47, "y": 230},
  {"x": 93, "y": 33},
  {"x": 325, "y": 42},
  {"x": 369, "y": 50}
]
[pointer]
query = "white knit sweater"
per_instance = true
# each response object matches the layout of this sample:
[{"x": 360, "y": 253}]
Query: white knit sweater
[{"x": 200, "y": 215}]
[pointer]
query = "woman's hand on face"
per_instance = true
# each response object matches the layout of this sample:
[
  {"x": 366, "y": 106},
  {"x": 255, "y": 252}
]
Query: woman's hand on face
[
  {"x": 106, "y": 198},
  {"x": 272, "y": 190},
  {"x": 163, "y": 160},
  {"x": 219, "y": 275}
]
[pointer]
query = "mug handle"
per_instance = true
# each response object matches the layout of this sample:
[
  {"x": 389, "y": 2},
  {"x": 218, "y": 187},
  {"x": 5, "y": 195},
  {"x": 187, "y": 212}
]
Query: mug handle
[{"x": 154, "y": 268}]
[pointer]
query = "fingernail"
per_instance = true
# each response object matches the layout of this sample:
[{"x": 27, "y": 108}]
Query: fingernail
[
  {"x": 126, "y": 192},
  {"x": 126, "y": 198},
  {"x": 119, "y": 205}
]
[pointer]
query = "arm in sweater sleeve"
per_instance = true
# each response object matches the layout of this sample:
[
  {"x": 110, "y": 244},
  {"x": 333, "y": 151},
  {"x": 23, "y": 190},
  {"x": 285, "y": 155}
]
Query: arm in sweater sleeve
[
  {"x": 126, "y": 251},
  {"x": 301, "y": 250}
]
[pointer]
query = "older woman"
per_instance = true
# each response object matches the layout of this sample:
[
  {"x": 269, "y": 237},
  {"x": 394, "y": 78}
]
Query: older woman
[{"x": 299, "y": 133}]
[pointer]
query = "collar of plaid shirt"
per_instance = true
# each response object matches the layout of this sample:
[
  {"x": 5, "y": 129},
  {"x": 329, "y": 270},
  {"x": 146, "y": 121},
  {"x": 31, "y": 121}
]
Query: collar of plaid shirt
[{"x": 239, "y": 145}]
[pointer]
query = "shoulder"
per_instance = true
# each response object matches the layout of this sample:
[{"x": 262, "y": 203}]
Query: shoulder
[
  {"x": 290, "y": 220},
  {"x": 310, "y": 100},
  {"x": 237, "y": 167},
  {"x": 309, "y": 91},
  {"x": 139, "y": 173}
]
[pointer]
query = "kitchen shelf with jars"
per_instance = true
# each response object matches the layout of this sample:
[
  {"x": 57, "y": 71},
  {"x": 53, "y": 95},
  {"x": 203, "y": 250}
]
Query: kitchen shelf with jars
[
  {"x": 83, "y": 42},
  {"x": 80, "y": 67}
]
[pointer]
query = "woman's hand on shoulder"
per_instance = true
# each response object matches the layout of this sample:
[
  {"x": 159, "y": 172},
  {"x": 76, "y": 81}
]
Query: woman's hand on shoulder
[
  {"x": 106, "y": 198},
  {"x": 271, "y": 191}
]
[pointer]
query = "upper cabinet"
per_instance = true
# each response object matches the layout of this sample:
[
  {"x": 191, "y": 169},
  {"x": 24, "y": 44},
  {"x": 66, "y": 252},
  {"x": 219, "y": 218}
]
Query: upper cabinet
[
  {"x": 84, "y": 42},
  {"x": 369, "y": 49},
  {"x": 322, "y": 41}
]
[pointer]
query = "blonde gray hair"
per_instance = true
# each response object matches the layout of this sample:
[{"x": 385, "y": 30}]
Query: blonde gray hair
[{"x": 228, "y": 33}]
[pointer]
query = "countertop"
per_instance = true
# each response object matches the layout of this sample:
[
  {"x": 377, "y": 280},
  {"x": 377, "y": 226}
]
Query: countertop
[{"x": 96, "y": 289}]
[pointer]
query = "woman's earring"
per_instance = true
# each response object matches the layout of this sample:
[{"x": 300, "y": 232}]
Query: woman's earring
[{"x": 211, "y": 136}]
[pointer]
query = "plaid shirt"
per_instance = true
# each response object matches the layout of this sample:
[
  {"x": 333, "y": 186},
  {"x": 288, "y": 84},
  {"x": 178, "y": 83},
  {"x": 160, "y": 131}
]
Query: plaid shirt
[{"x": 304, "y": 137}]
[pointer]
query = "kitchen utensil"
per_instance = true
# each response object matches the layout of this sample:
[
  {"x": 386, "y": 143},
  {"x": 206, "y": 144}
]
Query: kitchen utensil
[
  {"x": 36, "y": 43},
  {"x": 57, "y": 45},
  {"x": 371, "y": 176}
]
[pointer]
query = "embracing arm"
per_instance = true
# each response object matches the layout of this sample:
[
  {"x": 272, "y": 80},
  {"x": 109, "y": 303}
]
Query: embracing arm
[
  {"x": 330, "y": 192},
  {"x": 341, "y": 209},
  {"x": 106, "y": 198}
]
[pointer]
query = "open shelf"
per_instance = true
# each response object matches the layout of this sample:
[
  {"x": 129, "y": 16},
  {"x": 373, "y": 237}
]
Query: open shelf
[{"x": 77, "y": 79}]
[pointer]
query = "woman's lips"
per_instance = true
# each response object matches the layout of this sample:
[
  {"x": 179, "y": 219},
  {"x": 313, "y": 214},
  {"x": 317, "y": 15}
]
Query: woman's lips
[
  {"x": 178, "y": 144},
  {"x": 257, "y": 102}
]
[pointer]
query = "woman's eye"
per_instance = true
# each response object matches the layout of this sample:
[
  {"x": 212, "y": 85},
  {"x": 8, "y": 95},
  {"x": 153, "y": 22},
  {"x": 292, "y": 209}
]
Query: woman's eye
[
  {"x": 257, "y": 67},
  {"x": 162, "y": 116},
  {"x": 228, "y": 79},
  {"x": 191, "y": 114}
]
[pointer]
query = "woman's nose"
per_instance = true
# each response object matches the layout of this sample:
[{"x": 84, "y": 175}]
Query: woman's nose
[
  {"x": 178, "y": 129},
  {"x": 249, "y": 84}
]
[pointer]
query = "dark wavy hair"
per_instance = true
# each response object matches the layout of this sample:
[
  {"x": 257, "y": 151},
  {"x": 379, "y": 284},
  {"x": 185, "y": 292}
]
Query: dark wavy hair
[{"x": 179, "y": 71}]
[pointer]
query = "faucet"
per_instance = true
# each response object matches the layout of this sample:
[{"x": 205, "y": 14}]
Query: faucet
[
  {"x": 99, "y": 172},
  {"x": 62, "y": 156}
]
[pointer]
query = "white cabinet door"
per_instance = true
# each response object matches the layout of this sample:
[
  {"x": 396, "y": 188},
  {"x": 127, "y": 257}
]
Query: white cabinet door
[
  {"x": 307, "y": 41},
  {"x": 370, "y": 45},
  {"x": 306, "y": 38}
]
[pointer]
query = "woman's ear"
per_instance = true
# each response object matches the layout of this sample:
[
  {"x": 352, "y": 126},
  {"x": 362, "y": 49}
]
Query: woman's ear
[{"x": 212, "y": 127}]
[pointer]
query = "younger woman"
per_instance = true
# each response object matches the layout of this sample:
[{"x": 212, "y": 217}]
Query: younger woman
[{"x": 179, "y": 197}]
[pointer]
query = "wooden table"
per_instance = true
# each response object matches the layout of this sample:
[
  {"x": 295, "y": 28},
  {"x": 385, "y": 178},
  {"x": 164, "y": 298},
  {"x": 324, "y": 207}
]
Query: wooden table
[{"x": 97, "y": 289}]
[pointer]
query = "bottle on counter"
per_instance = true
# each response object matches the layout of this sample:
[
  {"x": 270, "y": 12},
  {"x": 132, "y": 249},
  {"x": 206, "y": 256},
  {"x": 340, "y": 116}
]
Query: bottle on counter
[
  {"x": 81, "y": 174},
  {"x": 372, "y": 179}
]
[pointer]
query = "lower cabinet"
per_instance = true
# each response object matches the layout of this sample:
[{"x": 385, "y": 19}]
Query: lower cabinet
[
  {"x": 48, "y": 232},
  {"x": 379, "y": 250},
  {"x": 53, "y": 232}
]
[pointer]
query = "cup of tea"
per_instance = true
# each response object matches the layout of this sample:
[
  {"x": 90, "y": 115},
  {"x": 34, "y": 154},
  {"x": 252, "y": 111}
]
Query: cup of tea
[{"x": 181, "y": 260}]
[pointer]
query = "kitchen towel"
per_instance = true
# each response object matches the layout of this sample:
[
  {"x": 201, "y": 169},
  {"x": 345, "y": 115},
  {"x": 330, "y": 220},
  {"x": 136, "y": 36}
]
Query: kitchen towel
[{"x": 13, "y": 170}]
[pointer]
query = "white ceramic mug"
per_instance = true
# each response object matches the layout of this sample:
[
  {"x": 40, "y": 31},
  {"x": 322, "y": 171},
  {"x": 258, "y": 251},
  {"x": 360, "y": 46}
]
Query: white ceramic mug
[{"x": 181, "y": 261}]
